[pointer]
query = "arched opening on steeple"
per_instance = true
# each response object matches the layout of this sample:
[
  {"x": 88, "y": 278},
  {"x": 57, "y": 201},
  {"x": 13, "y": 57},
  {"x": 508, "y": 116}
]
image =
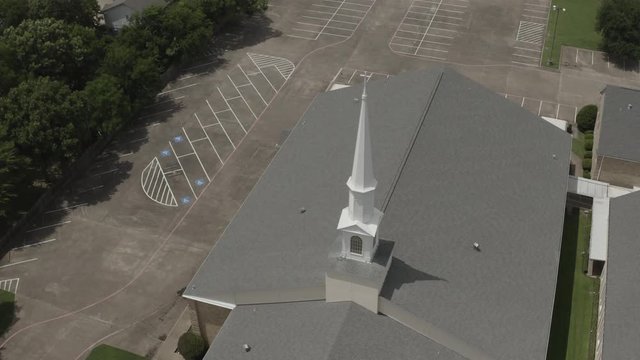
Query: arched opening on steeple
[{"x": 356, "y": 245}]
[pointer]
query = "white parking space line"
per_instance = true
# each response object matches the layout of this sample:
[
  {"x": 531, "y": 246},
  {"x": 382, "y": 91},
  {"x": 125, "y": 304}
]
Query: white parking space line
[
  {"x": 104, "y": 172},
  {"x": 48, "y": 226},
  {"x": 182, "y": 168},
  {"x": 165, "y": 101},
  {"x": 178, "y": 88},
  {"x": 82, "y": 191},
  {"x": 243, "y": 99},
  {"x": 18, "y": 263},
  {"x": 426, "y": 26},
  {"x": 332, "y": 14},
  {"x": 65, "y": 208},
  {"x": 10, "y": 285},
  {"x": 218, "y": 119},
  {"x": 208, "y": 138},
  {"x": 34, "y": 244},
  {"x": 254, "y": 88},
  {"x": 196, "y": 154}
]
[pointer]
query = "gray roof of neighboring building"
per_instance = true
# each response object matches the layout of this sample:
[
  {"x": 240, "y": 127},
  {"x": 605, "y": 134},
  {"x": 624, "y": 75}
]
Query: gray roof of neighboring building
[
  {"x": 622, "y": 297},
  {"x": 480, "y": 169},
  {"x": 338, "y": 330},
  {"x": 620, "y": 126}
]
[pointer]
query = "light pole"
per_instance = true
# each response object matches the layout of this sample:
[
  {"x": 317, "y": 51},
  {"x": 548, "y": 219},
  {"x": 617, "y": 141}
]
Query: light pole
[{"x": 555, "y": 28}]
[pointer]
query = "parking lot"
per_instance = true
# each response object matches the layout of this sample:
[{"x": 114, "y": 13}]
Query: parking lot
[
  {"x": 330, "y": 18},
  {"x": 199, "y": 149},
  {"x": 597, "y": 61},
  {"x": 429, "y": 28},
  {"x": 545, "y": 108},
  {"x": 531, "y": 33}
]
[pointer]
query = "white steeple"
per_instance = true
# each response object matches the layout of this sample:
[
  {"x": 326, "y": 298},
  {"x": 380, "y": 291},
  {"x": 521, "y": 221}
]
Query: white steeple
[{"x": 359, "y": 221}]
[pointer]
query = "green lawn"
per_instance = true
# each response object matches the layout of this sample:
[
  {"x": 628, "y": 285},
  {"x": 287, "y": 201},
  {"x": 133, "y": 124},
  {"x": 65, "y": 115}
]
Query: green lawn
[
  {"x": 576, "y": 27},
  {"x": 106, "y": 352},
  {"x": 7, "y": 310},
  {"x": 574, "y": 313},
  {"x": 577, "y": 143}
]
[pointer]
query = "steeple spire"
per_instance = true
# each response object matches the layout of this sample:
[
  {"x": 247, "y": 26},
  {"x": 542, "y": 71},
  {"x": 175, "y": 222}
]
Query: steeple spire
[
  {"x": 359, "y": 221},
  {"x": 362, "y": 177}
]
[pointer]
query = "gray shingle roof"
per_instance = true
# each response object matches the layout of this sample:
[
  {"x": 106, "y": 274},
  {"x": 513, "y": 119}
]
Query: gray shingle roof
[
  {"x": 319, "y": 331},
  {"x": 481, "y": 169},
  {"x": 622, "y": 311},
  {"x": 620, "y": 126}
]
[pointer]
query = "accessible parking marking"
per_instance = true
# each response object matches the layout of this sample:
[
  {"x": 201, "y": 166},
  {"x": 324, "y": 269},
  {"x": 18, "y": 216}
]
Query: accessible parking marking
[{"x": 228, "y": 114}]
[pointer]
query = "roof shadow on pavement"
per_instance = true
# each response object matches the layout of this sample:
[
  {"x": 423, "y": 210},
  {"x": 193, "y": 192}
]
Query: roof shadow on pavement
[
  {"x": 401, "y": 273},
  {"x": 244, "y": 33}
]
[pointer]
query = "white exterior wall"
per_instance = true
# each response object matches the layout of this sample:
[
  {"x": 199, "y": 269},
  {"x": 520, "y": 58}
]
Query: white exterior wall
[
  {"x": 339, "y": 288},
  {"x": 117, "y": 17},
  {"x": 601, "y": 311}
]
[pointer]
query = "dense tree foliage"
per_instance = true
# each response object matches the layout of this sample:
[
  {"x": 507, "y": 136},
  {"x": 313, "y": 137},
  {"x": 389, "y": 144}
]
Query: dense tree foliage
[
  {"x": 586, "y": 118},
  {"x": 619, "y": 23},
  {"x": 49, "y": 47},
  {"x": 80, "y": 12},
  {"x": 66, "y": 81},
  {"x": 43, "y": 120}
]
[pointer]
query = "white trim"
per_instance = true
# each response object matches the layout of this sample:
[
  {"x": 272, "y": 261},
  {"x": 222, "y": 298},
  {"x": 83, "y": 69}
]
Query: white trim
[{"x": 211, "y": 302}]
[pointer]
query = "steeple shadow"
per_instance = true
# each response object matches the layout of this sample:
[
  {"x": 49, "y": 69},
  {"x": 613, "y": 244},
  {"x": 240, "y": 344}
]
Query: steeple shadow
[{"x": 401, "y": 273}]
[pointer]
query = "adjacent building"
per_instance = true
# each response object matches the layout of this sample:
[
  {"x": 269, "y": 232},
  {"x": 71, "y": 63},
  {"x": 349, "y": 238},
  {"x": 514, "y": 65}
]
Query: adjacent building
[
  {"x": 419, "y": 219},
  {"x": 117, "y": 12},
  {"x": 616, "y": 150}
]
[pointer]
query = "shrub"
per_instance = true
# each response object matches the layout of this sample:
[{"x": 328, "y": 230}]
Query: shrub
[
  {"x": 586, "y": 117},
  {"x": 588, "y": 136},
  {"x": 586, "y": 174},
  {"x": 588, "y": 132},
  {"x": 588, "y": 145},
  {"x": 586, "y": 164},
  {"x": 191, "y": 346},
  {"x": 588, "y": 154}
]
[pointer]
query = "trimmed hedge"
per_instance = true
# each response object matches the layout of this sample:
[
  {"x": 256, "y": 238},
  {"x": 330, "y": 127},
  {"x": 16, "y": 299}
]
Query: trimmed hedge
[
  {"x": 588, "y": 154},
  {"x": 586, "y": 174},
  {"x": 192, "y": 346},
  {"x": 588, "y": 145},
  {"x": 586, "y": 117},
  {"x": 588, "y": 136},
  {"x": 586, "y": 164}
]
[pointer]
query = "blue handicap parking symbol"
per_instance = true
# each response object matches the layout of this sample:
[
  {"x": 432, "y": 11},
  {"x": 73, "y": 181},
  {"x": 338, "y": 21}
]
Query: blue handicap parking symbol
[
  {"x": 186, "y": 200},
  {"x": 178, "y": 139},
  {"x": 165, "y": 152},
  {"x": 199, "y": 182}
]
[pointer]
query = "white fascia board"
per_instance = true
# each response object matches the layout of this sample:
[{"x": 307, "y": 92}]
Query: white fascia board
[{"x": 210, "y": 301}]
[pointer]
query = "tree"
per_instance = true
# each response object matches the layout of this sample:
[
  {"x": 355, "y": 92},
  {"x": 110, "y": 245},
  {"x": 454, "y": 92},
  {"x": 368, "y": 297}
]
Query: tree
[
  {"x": 8, "y": 75},
  {"x": 618, "y": 22},
  {"x": 178, "y": 29},
  {"x": 43, "y": 117},
  {"x": 49, "y": 47},
  {"x": 107, "y": 106},
  {"x": 586, "y": 118},
  {"x": 12, "y": 12},
  {"x": 191, "y": 346},
  {"x": 11, "y": 171},
  {"x": 139, "y": 76},
  {"x": 81, "y": 12}
]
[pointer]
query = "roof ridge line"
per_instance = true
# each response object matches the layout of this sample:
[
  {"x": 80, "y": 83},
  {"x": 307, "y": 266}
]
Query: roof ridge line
[
  {"x": 405, "y": 157},
  {"x": 431, "y": 332}
]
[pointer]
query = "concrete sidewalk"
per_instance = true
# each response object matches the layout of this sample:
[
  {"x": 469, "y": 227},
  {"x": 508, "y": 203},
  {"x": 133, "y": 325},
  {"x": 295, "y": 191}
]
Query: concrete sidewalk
[{"x": 167, "y": 351}]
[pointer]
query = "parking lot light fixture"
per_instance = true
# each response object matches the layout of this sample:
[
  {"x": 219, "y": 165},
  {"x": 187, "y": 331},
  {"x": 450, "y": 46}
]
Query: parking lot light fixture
[{"x": 557, "y": 10}]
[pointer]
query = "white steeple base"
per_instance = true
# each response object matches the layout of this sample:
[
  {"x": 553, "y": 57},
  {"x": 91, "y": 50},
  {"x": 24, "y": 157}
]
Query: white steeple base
[{"x": 351, "y": 230}]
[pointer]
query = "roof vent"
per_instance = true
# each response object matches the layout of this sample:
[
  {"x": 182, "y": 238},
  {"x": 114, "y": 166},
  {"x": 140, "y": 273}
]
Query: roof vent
[
  {"x": 476, "y": 246},
  {"x": 302, "y": 210},
  {"x": 246, "y": 347},
  {"x": 629, "y": 106}
]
